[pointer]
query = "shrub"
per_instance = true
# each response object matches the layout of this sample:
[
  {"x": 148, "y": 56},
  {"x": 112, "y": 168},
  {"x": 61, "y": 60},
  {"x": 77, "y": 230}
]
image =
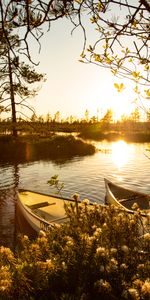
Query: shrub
[{"x": 99, "y": 253}]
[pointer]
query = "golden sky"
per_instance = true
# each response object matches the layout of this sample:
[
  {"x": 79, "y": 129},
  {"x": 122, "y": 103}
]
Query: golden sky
[{"x": 71, "y": 86}]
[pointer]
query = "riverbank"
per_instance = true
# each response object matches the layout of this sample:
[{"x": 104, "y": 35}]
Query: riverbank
[
  {"x": 30, "y": 148},
  {"x": 111, "y": 136}
]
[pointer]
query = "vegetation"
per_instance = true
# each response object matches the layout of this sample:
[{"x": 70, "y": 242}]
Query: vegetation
[
  {"x": 35, "y": 148},
  {"x": 128, "y": 129},
  {"x": 121, "y": 42},
  {"x": 100, "y": 253},
  {"x": 15, "y": 79}
]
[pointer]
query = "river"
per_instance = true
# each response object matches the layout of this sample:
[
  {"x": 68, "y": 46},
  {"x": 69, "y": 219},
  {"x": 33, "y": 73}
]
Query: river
[{"x": 125, "y": 164}]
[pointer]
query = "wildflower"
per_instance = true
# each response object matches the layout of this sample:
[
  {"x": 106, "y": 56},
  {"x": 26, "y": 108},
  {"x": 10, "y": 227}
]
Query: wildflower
[
  {"x": 6, "y": 253},
  {"x": 25, "y": 238},
  {"x": 5, "y": 279},
  {"x": 132, "y": 222},
  {"x": 103, "y": 285},
  {"x": 135, "y": 206},
  {"x": 49, "y": 261},
  {"x": 86, "y": 201},
  {"x": 113, "y": 264},
  {"x": 114, "y": 261},
  {"x": 147, "y": 237},
  {"x": 94, "y": 227},
  {"x": 64, "y": 265},
  {"x": 35, "y": 247},
  {"x": 42, "y": 233},
  {"x": 96, "y": 205},
  {"x": 101, "y": 251},
  {"x": 146, "y": 288},
  {"x": 125, "y": 249},
  {"x": 70, "y": 243},
  {"x": 76, "y": 197},
  {"x": 134, "y": 293},
  {"x": 97, "y": 232},
  {"x": 138, "y": 283},
  {"x": 123, "y": 266},
  {"x": 113, "y": 251},
  {"x": 141, "y": 267},
  {"x": 105, "y": 226}
]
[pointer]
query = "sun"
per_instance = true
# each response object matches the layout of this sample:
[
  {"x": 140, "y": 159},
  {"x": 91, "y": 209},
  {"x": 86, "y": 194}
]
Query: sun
[
  {"x": 102, "y": 95},
  {"x": 121, "y": 153},
  {"x": 122, "y": 104}
]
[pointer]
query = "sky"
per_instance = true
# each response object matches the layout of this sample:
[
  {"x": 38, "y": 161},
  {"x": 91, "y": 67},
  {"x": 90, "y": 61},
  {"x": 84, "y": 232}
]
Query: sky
[{"x": 73, "y": 87}]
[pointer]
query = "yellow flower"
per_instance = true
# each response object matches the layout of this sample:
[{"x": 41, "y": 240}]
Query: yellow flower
[
  {"x": 134, "y": 293},
  {"x": 147, "y": 237},
  {"x": 98, "y": 232},
  {"x": 101, "y": 251},
  {"x": 146, "y": 288},
  {"x": 86, "y": 201}
]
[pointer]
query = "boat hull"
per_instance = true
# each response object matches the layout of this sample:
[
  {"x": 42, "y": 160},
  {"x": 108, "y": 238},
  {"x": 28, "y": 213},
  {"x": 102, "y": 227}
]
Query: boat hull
[
  {"x": 125, "y": 198},
  {"x": 40, "y": 211}
]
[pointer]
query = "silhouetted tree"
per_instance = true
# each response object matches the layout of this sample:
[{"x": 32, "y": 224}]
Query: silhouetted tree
[{"x": 15, "y": 79}]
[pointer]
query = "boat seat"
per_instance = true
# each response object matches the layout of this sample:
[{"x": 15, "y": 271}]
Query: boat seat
[
  {"x": 141, "y": 200},
  {"x": 40, "y": 205}
]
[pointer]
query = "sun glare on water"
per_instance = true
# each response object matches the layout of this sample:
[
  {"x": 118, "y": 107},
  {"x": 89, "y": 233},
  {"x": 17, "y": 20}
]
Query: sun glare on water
[{"x": 121, "y": 153}]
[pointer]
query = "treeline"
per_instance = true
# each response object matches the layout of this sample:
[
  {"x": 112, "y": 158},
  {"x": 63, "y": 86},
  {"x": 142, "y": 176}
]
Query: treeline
[{"x": 47, "y": 128}]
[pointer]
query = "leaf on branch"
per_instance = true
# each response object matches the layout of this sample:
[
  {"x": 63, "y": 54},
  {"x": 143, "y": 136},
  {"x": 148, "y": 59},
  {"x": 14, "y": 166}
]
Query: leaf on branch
[
  {"x": 136, "y": 90},
  {"x": 82, "y": 55},
  {"x": 147, "y": 93},
  {"x": 134, "y": 23},
  {"x": 136, "y": 75},
  {"x": 114, "y": 71},
  {"x": 120, "y": 87},
  {"x": 97, "y": 57}
]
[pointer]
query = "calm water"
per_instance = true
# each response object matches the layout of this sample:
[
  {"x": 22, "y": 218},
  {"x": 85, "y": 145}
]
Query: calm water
[{"x": 125, "y": 164}]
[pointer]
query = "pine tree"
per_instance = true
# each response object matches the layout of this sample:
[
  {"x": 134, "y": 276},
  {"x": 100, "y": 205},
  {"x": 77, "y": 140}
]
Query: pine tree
[{"x": 16, "y": 77}]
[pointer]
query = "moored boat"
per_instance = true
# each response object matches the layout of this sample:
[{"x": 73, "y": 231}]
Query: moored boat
[
  {"x": 124, "y": 198},
  {"x": 41, "y": 211}
]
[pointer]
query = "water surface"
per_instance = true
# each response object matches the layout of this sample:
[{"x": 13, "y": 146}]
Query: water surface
[{"x": 125, "y": 164}]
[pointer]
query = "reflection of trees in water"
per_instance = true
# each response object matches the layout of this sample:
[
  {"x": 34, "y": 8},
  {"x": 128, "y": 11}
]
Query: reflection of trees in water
[
  {"x": 8, "y": 198},
  {"x": 16, "y": 175}
]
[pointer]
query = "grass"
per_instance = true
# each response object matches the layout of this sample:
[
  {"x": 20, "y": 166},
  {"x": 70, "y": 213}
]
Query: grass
[{"x": 34, "y": 148}]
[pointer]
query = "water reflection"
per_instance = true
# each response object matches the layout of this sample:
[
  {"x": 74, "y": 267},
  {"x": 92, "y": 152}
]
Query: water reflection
[
  {"x": 8, "y": 193},
  {"x": 121, "y": 153}
]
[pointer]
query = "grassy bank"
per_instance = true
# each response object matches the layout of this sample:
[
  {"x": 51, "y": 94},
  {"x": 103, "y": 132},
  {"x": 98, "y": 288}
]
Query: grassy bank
[
  {"x": 135, "y": 137},
  {"x": 34, "y": 148},
  {"x": 96, "y": 255}
]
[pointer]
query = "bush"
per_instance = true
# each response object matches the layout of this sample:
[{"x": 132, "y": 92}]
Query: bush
[{"x": 100, "y": 253}]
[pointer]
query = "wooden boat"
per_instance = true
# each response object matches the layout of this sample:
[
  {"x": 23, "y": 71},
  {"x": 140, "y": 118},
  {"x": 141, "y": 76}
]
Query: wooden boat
[
  {"x": 125, "y": 198},
  {"x": 41, "y": 211}
]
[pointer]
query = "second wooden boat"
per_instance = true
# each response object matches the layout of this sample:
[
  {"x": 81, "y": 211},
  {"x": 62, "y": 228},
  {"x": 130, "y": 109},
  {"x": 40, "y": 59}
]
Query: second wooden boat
[{"x": 125, "y": 198}]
